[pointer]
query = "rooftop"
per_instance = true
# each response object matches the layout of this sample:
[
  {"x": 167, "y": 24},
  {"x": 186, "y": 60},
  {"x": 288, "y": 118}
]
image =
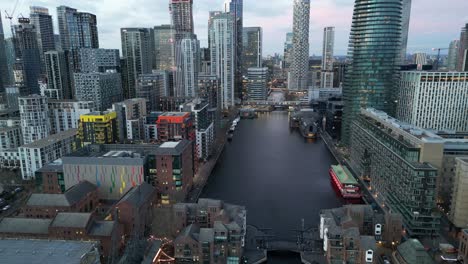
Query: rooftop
[
  {"x": 25, "y": 226},
  {"x": 55, "y": 166},
  {"x": 344, "y": 175},
  {"x": 172, "y": 148},
  {"x": 138, "y": 195},
  {"x": 177, "y": 114},
  {"x": 413, "y": 252},
  {"x": 52, "y": 139},
  {"x": 69, "y": 198},
  {"x": 33, "y": 251},
  {"x": 76, "y": 220},
  {"x": 102, "y": 228}
]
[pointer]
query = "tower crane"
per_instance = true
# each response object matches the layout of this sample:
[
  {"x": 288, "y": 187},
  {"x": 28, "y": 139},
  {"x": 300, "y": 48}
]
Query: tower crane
[{"x": 438, "y": 56}]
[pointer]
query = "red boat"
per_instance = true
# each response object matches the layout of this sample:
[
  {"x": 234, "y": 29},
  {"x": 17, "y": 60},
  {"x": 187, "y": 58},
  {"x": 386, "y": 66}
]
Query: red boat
[{"x": 344, "y": 182}]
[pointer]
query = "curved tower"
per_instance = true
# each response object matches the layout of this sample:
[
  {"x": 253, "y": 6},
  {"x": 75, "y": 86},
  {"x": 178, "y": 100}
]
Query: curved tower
[
  {"x": 374, "y": 51},
  {"x": 299, "y": 69}
]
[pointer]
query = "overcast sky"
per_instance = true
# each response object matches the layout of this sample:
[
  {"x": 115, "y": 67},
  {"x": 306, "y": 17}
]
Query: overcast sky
[{"x": 434, "y": 23}]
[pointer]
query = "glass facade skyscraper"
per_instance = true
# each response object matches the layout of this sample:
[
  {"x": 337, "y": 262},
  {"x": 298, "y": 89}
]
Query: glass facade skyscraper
[
  {"x": 299, "y": 71},
  {"x": 252, "y": 48},
  {"x": 374, "y": 52}
]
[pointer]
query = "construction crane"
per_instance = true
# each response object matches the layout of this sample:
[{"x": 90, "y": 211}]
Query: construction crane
[
  {"x": 10, "y": 16},
  {"x": 438, "y": 56}
]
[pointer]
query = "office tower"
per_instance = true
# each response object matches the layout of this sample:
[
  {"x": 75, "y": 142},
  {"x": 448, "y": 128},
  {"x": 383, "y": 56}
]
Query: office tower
[
  {"x": 205, "y": 61},
  {"x": 401, "y": 161},
  {"x": 136, "y": 51},
  {"x": 453, "y": 55},
  {"x": 34, "y": 114},
  {"x": 182, "y": 15},
  {"x": 131, "y": 115},
  {"x": 10, "y": 61},
  {"x": 339, "y": 72},
  {"x": 65, "y": 114},
  {"x": 298, "y": 72},
  {"x": 4, "y": 75},
  {"x": 257, "y": 85},
  {"x": 164, "y": 47},
  {"x": 420, "y": 59},
  {"x": 370, "y": 80},
  {"x": 27, "y": 50},
  {"x": 98, "y": 128},
  {"x": 287, "y": 56},
  {"x": 405, "y": 23},
  {"x": 222, "y": 48},
  {"x": 98, "y": 60},
  {"x": 433, "y": 100},
  {"x": 58, "y": 75},
  {"x": 103, "y": 88},
  {"x": 77, "y": 29},
  {"x": 41, "y": 19},
  {"x": 187, "y": 56},
  {"x": 326, "y": 79},
  {"x": 152, "y": 87},
  {"x": 236, "y": 9},
  {"x": 58, "y": 45},
  {"x": 462, "y": 61},
  {"x": 252, "y": 48}
]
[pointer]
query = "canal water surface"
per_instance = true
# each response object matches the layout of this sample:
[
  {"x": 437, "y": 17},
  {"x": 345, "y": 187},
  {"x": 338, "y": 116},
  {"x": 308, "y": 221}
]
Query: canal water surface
[{"x": 276, "y": 174}]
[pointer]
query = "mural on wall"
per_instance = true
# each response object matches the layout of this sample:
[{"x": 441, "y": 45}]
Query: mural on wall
[{"x": 112, "y": 181}]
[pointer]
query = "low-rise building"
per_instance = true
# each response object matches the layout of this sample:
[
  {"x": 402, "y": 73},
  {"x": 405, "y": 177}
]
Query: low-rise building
[
  {"x": 350, "y": 233},
  {"x": 79, "y": 198},
  {"x": 49, "y": 178},
  {"x": 38, "y": 153},
  {"x": 209, "y": 232},
  {"x": 412, "y": 251}
]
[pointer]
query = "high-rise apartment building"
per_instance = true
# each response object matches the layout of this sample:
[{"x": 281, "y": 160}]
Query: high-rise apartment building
[
  {"x": 4, "y": 75},
  {"x": 257, "y": 85},
  {"x": 205, "y": 61},
  {"x": 298, "y": 72},
  {"x": 401, "y": 162},
  {"x": 405, "y": 23},
  {"x": 28, "y": 53},
  {"x": 58, "y": 75},
  {"x": 103, "y": 88},
  {"x": 287, "y": 56},
  {"x": 236, "y": 9},
  {"x": 98, "y": 60},
  {"x": 326, "y": 79},
  {"x": 34, "y": 113},
  {"x": 98, "y": 128},
  {"x": 204, "y": 127},
  {"x": 187, "y": 57},
  {"x": 222, "y": 48},
  {"x": 182, "y": 15},
  {"x": 209, "y": 89},
  {"x": 459, "y": 206},
  {"x": 65, "y": 114},
  {"x": 452, "y": 58},
  {"x": 433, "y": 100},
  {"x": 137, "y": 53},
  {"x": 10, "y": 59},
  {"x": 164, "y": 47},
  {"x": 41, "y": 19},
  {"x": 462, "y": 61},
  {"x": 252, "y": 48},
  {"x": 131, "y": 115},
  {"x": 370, "y": 80},
  {"x": 152, "y": 87}
]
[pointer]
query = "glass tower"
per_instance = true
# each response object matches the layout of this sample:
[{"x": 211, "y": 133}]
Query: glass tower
[{"x": 375, "y": 52}]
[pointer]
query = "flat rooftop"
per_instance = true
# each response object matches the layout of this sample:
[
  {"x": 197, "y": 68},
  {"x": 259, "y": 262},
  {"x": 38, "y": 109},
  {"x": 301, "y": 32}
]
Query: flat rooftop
[
  {"x": 180, "y": 114},
  {"x": 35, "y": 251},
  {"x": 52, "y": 139},
  {"x": 344, "y": 175}
]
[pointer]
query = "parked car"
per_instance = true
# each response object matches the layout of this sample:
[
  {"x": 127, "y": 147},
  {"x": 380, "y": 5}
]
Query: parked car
[
  {"x": 6, "y": 207},
  {"x": 19, "y": 189}
]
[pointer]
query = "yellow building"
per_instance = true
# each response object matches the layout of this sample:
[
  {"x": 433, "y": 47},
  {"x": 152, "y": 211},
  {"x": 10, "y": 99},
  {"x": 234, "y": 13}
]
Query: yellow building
[{"x": 98, "y": 128}]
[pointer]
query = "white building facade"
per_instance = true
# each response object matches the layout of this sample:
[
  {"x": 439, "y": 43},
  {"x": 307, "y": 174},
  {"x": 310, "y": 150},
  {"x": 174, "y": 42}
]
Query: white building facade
[
  {"x": 34, "y": 114},
  {"x": 434, "y": 100},
  {"x": 65, "y": 114},
  {"x": 326, "y": 80}
]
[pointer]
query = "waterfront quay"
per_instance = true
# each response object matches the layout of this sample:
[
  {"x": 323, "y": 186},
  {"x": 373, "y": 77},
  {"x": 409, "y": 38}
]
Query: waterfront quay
[{"x": 279, "y": 177}]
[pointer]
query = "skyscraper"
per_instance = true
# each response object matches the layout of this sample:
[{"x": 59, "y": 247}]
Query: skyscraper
[
  {"x": 252, "y": 48},
  {"x": 298, "y": 73},
  {"x": 77, "y": 29},
  {"x": 453, "y": 55},
  {"x": 223, "y": 52},
  {"x": 370, "y": 79},
  {"x": 103, "y": 88},
  {"x": 41, "y": 19},
  {"x": 182, "y": 15},
  {"x": 27, "y": 50},
  {"x": 326, "y": 80},
  {"x": 405, "y": 23},
  {"x": 257, "y": 86},
  {"x": 420, "y": 59},
  {"x": 462, "y": 62},
  {"x": 58, "y": 75},
  {"x": 236, "y": 8},
  {"x": 98, "y": 60},
  {"x": 4, "y": 79},
  {"x": 136, "y": 51},
  {"x": 287, "y": 51},
  {"x": 187, "y": 66},
  {"x": 164, "y": 47}
]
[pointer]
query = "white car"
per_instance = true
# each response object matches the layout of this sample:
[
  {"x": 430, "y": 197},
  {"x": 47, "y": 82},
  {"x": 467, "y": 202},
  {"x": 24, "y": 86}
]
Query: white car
[{"x": 6, "y": 208}]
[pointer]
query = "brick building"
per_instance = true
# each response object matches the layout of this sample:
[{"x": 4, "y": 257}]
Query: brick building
[
  {"x": 49, "y": 178},
  {"x": 82, "y": 197}
]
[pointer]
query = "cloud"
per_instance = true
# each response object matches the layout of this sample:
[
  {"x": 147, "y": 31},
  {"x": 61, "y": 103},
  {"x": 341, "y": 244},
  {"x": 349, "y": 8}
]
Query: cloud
[{"x": 433, "y": 23}]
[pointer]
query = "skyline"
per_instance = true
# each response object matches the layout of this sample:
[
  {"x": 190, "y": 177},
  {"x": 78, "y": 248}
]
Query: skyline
[{"x": 275, "y": 19}]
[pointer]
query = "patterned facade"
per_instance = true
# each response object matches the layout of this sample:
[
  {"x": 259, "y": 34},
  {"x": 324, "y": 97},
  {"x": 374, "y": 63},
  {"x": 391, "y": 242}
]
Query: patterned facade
[{"x": 298, "y": 73}]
